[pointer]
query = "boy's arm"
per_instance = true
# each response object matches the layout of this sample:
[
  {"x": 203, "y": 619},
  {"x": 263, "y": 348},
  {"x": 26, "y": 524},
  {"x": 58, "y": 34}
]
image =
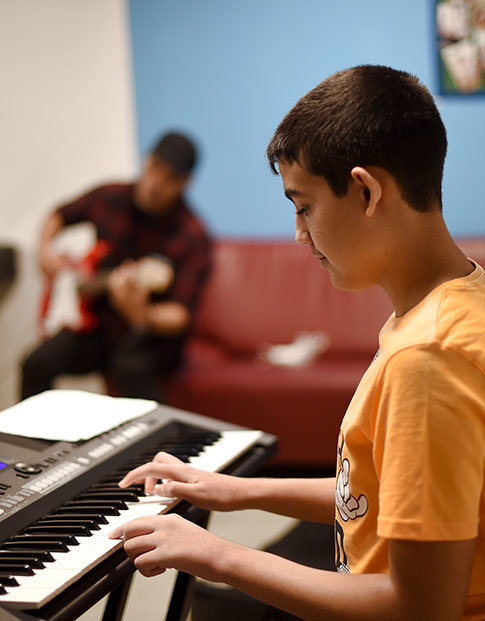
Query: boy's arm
[
  {"x": 427, "y": 580},
  {"x": 305, "y": 499}
]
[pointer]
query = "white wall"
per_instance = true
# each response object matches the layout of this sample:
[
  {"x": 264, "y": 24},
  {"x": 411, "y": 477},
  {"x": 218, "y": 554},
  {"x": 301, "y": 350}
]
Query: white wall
[{"x": 67, "y": 123}]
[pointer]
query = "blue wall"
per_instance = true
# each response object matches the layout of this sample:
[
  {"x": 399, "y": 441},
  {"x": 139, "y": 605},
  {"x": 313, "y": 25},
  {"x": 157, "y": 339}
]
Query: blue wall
[{"x": 227, "y": 71}]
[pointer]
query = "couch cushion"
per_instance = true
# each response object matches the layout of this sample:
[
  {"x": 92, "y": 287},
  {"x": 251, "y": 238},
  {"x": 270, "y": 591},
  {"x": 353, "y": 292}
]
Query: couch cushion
[
  {"x": 303, "y": 407},
  {"x": 264, "y": 292}
]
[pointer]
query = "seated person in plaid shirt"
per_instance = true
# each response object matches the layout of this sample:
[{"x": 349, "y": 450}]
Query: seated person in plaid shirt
[{"x": 138, "y": 335}]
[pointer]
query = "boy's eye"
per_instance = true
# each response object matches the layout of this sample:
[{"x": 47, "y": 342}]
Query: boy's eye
[{"x": 301, "y": 211}]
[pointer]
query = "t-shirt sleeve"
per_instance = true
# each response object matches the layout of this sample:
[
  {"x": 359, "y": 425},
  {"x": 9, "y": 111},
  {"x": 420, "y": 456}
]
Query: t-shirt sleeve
[{"x": 429, "y": 447}]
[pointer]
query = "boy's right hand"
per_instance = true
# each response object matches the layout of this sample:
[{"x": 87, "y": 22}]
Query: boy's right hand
[{"x": 207, "y": 490}]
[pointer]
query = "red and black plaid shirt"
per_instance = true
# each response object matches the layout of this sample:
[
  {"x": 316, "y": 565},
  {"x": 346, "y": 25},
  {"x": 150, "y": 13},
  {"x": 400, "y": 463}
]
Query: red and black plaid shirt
[{"x": 132, "y": 234}]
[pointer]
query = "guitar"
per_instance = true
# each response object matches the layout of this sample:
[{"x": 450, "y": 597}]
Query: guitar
[{"x": 67, "y": 298}]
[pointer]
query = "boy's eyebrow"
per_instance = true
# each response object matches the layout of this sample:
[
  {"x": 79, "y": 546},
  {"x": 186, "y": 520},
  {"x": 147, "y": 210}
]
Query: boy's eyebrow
[{"x": 290, "y": 193}]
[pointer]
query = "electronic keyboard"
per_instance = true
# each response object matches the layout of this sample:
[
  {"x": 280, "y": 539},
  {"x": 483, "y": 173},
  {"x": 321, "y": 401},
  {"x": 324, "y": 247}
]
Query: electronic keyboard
[{"x": 59, "y": 500}]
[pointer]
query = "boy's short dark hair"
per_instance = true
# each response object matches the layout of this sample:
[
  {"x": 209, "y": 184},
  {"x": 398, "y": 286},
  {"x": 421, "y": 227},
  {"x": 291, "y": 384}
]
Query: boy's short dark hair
[{"x": 369, "y": 115}]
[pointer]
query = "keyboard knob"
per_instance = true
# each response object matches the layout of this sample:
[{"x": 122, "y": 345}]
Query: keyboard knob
[{"x": 25, "y": 468}]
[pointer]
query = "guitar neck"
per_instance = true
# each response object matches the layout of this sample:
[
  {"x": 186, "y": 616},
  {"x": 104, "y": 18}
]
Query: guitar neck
[{"x": 95, "y": 286}]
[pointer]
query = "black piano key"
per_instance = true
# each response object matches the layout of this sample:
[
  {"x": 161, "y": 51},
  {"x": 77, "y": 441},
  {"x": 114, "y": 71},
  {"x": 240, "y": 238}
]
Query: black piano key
[
  {"x": 184, "y": 451},
  {"x": 179, "y": 452},
  {"x": 117, "y": 504},
  {"x": 134, "y": 488},
  {"x": 195, "y": 443},
  {"x": 133, "y": 463},
  {"x": 47, "y": 546},
  {"x": 104, "y": 485},
  {"x": 44, "y": 557},
  {"x": 58, "y": 529},
  {"x": 56, "y": 521},
  {"x": 192, "y": 434},
  {"x": 190, "y": 438},
  {"x": 89, "y": 510},
  {"x": 187, "y": 444},
  {"x": 67, "y": 539},
  {"x": 114, "y": 487},
  {"x": 192, "y": 449},
  {"x": 17, "y": 569},
  {"x": 19, "y": 558},
  {"x": 7, "y": 579},
  {"x": 67, "y": 517},
  {"x": 3, "y": 590},
  {"x": 115, "y": 477},
  {"x": 119, "y": 494},
  {"x": 112, "y": 479},
  {"x": 184, "y": 458}
]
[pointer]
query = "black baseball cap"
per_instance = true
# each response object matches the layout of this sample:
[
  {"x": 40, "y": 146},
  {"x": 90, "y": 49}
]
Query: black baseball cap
[{"x": 178, "y": 151}]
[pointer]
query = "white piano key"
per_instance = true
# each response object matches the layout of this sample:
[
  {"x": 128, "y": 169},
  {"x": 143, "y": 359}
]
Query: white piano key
[{"x": 229, "y": 447}]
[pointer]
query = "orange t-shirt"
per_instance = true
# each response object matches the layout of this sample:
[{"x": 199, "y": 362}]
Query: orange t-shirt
[{"x": 411, "y": 453}]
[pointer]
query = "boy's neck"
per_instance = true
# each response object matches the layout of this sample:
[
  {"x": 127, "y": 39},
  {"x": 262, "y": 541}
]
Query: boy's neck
[{"x": 424, "y": 256}]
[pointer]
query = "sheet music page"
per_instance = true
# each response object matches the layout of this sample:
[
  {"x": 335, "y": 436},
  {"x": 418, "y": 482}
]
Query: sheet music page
[{"x": 70, "y": 415}]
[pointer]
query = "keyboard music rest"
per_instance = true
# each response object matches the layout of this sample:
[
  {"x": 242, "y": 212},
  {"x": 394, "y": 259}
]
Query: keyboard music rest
[{"x": 104, "y": 576}]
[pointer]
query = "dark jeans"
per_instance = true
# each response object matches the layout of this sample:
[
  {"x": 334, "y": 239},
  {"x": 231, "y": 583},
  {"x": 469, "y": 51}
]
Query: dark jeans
[{"x": 134, "y": 363}]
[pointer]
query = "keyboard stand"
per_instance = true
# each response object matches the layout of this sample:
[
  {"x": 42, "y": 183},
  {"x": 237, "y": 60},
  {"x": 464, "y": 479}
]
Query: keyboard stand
[{"x": 115, "y": 605}]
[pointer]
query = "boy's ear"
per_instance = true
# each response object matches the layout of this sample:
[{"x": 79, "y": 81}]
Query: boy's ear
[{"x": 371, "y": 187}]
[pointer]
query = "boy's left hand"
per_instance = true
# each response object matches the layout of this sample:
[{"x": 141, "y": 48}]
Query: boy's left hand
[{"x": 161, "y": 542}]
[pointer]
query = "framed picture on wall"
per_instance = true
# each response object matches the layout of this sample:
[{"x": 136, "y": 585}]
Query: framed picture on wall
[{"x": 460, "y": 46}]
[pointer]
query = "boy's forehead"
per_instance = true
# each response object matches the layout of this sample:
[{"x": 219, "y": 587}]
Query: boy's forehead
[
  {"x": 297, "y": 181},
  {"x": 292, "y": 174}
]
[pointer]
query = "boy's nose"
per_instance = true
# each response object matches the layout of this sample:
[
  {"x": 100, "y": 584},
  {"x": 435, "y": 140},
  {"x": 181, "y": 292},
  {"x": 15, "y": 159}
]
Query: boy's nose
[{"x": 302, "y": 236}]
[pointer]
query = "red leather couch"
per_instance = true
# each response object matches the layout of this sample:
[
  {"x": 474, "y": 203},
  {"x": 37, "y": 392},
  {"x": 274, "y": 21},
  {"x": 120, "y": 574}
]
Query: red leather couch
[{"x": 267, "y": 291}]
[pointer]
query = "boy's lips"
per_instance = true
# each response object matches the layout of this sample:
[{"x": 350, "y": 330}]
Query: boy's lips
[{"x": 322, "y": 261}]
